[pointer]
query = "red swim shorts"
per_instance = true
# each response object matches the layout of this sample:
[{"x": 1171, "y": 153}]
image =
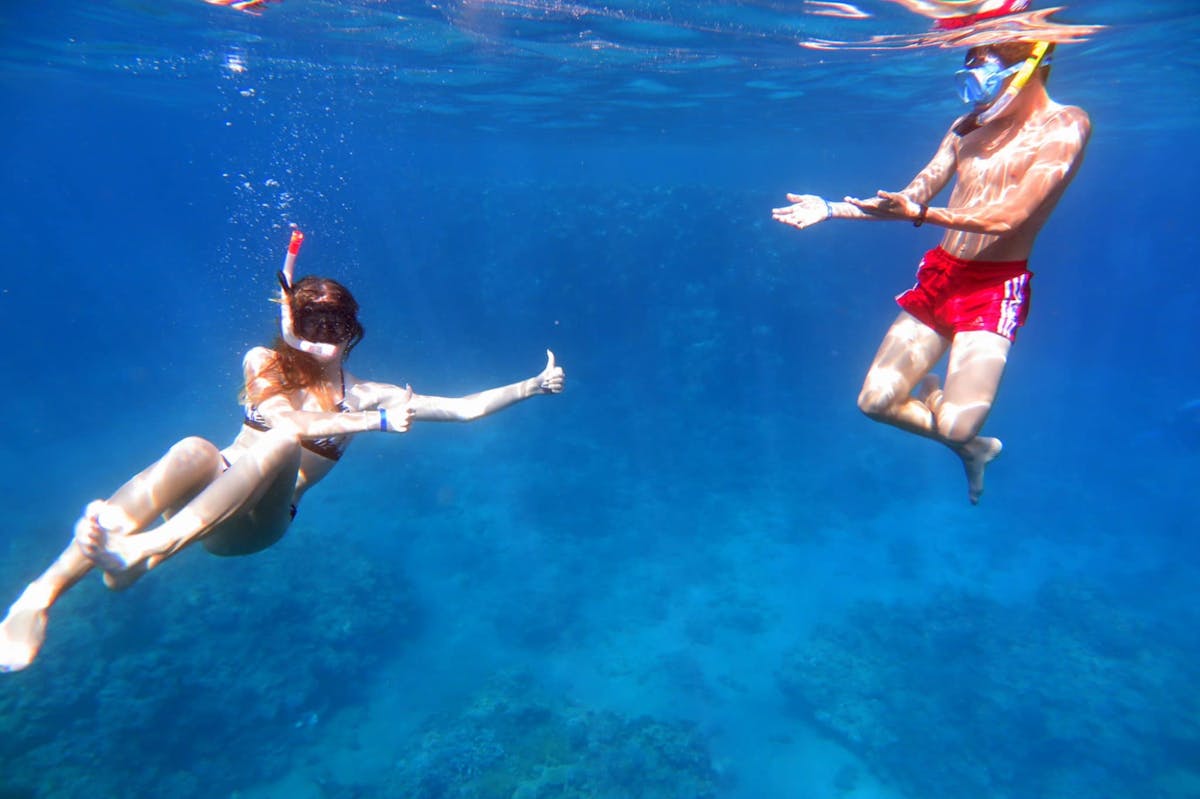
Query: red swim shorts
[{"x": 953, "y": 294}]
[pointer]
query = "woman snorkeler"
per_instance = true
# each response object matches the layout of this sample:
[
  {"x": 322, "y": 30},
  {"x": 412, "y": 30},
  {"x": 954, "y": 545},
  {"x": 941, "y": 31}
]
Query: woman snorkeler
[{"x": 301, "y": 410}]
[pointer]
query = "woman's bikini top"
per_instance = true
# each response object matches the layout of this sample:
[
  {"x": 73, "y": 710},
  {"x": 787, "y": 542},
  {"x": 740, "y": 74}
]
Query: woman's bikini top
[{"x": 330, "y": 447}]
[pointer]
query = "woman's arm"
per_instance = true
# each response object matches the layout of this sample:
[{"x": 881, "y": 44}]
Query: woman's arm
[
  {"x": 427, "y": 408},
  {"x": 281, "y": 413}
]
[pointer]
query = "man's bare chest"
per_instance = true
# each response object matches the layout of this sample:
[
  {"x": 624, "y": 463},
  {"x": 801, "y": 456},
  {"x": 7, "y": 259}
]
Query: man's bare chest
[{"x": 995, "y": 163}]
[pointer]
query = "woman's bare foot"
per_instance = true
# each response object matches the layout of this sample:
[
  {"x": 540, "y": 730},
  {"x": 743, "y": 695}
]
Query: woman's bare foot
[
  {"x": 109, "y": 550},
  {"x": 22, "y": 632},
  {"x": 976, "y": 454}
]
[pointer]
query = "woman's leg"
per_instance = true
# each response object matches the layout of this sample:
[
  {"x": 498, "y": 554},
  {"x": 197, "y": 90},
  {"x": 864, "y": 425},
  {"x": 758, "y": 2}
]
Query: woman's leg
[
  {"x": 181, "y": 473},
  {"x": 261, "y": 481},
  {"x": 24, "y": 627}
]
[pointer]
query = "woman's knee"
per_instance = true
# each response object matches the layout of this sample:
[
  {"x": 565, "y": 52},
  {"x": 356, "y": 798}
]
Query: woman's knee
[{"x": 195, "y": 449}]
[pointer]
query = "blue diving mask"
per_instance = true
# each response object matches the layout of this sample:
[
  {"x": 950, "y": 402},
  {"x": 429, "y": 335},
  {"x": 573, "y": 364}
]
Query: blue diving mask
[{"x": 983, "y": 82}]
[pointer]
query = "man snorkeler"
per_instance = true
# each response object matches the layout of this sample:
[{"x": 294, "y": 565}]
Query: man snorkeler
[{"x": 1011, "y": 158}]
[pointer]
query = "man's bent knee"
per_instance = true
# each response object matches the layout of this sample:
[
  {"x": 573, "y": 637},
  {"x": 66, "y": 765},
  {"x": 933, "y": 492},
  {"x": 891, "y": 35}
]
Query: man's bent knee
[
  {"x": 959, "y": 425},
  {"x": 875, "y": 402}
]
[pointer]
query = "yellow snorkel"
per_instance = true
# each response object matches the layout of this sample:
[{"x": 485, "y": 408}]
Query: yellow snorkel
[{"x": 1015, "y": 85}]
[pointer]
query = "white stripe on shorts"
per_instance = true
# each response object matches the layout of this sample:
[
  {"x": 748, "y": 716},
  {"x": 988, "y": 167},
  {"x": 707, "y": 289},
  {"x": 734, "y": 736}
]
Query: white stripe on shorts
[{"x": 1010, "y": 307}]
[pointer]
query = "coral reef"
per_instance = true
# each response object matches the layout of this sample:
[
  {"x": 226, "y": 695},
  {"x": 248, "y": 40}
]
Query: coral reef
[
  {"x": 148, "y": 692},
  {"x": 1072, "y": 695},
  {"x": 514, "y": 744}
]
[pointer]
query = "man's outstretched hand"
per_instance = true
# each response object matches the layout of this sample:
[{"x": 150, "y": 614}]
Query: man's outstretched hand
[{"x": 805, "y": 210}]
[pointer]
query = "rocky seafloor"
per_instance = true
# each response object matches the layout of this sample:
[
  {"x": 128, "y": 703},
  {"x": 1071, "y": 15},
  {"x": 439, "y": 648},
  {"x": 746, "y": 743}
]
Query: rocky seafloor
[{"x": 1070, "y": 695}]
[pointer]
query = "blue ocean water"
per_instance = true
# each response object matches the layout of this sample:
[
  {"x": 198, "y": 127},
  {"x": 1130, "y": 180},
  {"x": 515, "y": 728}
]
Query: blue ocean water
[{"x": 699, "y": 571}]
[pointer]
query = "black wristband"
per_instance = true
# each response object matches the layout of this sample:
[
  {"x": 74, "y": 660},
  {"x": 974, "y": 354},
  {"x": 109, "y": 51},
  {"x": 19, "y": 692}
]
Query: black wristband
[{"x": 920, "y": 220}]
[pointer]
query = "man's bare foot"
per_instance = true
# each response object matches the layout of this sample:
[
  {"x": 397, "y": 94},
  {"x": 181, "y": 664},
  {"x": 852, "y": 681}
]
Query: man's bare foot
[
  {"x": 109, "y": 551},
  {"x": 21, "y": 635},
  {"x": 976, "y": 454}
]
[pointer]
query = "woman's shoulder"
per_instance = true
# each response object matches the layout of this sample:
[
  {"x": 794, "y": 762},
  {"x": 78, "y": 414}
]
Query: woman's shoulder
[
  {"x": 256, "y": 361},
  {"x": 258, "y": 357}
]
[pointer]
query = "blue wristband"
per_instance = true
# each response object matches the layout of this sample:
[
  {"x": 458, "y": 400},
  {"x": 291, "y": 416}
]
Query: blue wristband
[
  {"x": 828, "y": 209},
  {"x": 383, "y": 420}
]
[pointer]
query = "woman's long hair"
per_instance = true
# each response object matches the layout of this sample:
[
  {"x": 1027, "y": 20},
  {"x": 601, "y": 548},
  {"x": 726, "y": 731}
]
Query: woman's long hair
[{"x": 291, "y": 370}]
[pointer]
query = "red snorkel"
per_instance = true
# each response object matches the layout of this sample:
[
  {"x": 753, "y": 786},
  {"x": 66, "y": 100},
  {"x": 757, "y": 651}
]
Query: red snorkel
[{"x": 289, "y": 260}]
